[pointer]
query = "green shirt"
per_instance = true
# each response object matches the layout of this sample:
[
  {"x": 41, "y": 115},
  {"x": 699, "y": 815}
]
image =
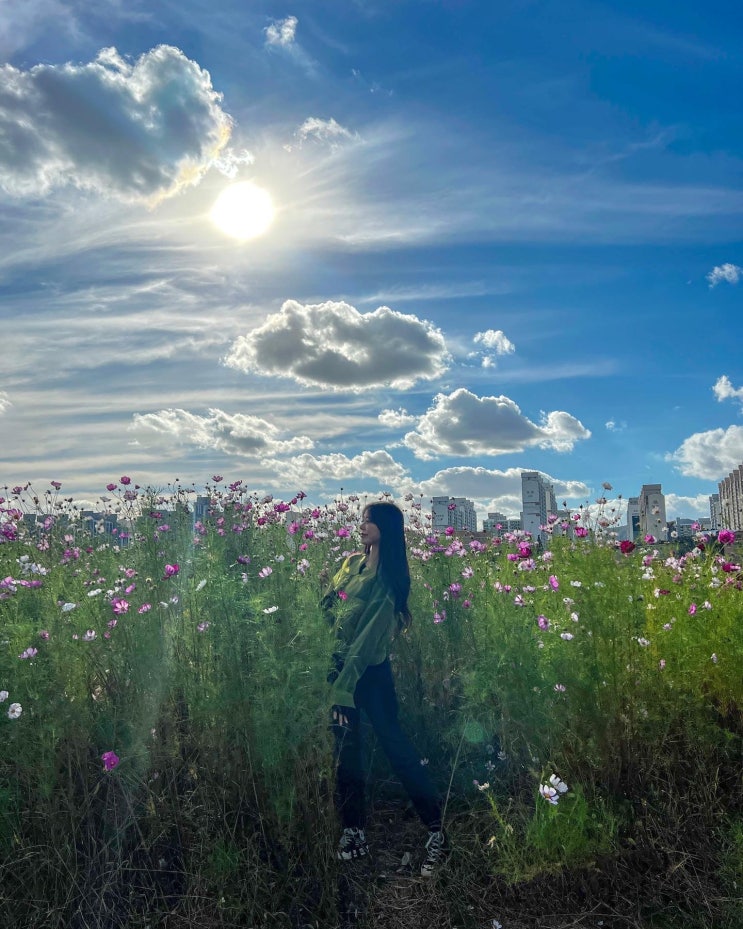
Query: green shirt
[{"x": 362, "y": 610}]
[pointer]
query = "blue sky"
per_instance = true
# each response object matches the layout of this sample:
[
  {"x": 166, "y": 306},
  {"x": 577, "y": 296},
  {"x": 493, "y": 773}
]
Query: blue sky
[{"x": 507, "y": 237}]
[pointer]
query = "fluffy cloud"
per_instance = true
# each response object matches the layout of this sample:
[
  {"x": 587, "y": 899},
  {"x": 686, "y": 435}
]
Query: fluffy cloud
[
  {"x": 317, "y": 471},
  {"x": 138, "y": 131},
  {"x": 727, "y": 272},
  {"x": 231, "y": 433},
  {"x": 334, "y": 345},
  {"x": 281, "y": 32},
  {"x": 710, "y": 455},
  {"x": 678, "y": 506},
  {"x": 497, "y": 340},
  {"x": 464, "y": 424},
  {"x": 394, "y": 419},
  {"x": 724, "y": 389}
]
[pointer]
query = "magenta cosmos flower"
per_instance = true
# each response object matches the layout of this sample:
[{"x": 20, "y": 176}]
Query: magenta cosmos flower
[{"x": 110, "y": 760}]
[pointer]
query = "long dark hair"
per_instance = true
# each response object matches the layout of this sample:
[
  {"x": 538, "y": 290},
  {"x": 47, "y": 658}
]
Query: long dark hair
[{"x": 392, "y": 566}]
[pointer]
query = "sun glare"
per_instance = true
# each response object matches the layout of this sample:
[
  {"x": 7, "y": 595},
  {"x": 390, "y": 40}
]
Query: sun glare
[{"x": 243, "y": 211}]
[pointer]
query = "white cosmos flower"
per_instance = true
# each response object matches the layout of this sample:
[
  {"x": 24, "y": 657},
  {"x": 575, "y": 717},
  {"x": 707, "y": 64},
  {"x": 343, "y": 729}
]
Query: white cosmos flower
[
  {"x": 559, "y": 785},
  {"x": 95, "y": 593},
  {"x": 270, "y": 609},
  {"x": 201, "y": 585},
  {"x": 549, "y": 793},
  {"x": 4, "y": 696},
  {"x": 68, "y": 607},
  {"x": 14, "y": 710}
]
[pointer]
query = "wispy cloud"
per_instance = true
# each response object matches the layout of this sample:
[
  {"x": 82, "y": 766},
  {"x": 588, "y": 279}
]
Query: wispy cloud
[
  {"x": 4, "y": 401},
  {"x": 327, "y": 131},
  {"x": 281, "y": 32},
  {"x": 134, "y": 131},
  {"x": 728, "y": 272},
  {"x": 464, "y": 424},
  {"x": 334, "y": 345}
]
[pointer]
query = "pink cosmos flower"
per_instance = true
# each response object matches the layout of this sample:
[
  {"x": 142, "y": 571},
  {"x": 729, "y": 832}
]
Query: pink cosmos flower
[
  {"x": 110, "y": 760},
  {"x": 171, "y": 570},
  {"x": 543, "y": 622},
  {"x": 125, "y": 480},
  {"x": 625, "y": 547},
  {"x": 55, "y": 484},
  {"x": 145, "y": 608},
  {"x": 111, "y": 487},
  {"x": 29, "y": 653},
  {"x": 342, "y": 595},
  {"x": 449, "y": 530},
  {"x": 725, "y": 537},
  {"x": 119, "y": 605},
  {"x": 554, "y": 583},
  {"x": 89, "y": 635},
  {"x": 265, "y": 572},
  {"x": 662, "y": 663},
  {"x": 560, "y": 688},
  {"x": 692, "y": 609},
  {"x": 581, "y": 532}
]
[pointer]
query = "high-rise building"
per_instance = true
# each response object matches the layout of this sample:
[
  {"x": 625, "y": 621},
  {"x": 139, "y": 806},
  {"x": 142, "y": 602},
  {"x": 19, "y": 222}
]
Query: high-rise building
[
  {"x": 458, "y": 512},
  {"x": 715, "y": 514},
  {"x": 498, "y": 519},
  {"x": 633, "y": 518},
  {"x": 731, "y": 500},
  {"x": 653, "y": 520},
  {"x": 538, "y": 501}
]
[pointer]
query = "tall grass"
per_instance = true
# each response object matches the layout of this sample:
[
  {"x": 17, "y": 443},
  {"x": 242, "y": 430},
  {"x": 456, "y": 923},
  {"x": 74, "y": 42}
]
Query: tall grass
[{"x": 195, "y": 651}]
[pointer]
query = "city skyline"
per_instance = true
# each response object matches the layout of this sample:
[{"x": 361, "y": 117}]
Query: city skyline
[{"x": 504, "y": 239}]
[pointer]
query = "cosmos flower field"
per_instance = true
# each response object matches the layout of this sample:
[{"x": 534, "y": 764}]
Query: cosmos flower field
[{"x": 164, "y": 711}]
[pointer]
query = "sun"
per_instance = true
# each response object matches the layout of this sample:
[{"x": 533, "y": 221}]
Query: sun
[{"x": 243, "y": 211}]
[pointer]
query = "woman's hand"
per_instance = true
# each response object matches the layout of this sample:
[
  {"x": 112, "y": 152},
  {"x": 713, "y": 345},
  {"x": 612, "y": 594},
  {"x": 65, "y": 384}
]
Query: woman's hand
[{"x": 339, "y": 717}]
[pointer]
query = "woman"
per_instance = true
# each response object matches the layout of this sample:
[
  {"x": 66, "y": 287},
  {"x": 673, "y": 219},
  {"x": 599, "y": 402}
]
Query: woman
[{"x": 367, "y": 603}]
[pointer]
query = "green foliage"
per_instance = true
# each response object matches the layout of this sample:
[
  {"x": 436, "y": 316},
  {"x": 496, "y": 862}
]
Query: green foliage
[{"x": 196, "y": 650}]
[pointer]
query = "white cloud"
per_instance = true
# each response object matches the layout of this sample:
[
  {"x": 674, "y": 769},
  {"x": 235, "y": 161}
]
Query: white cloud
[
  {"x": 334, "y": 345},
  {"x": 231, "y": 433},
  {"x": 281, "y": 32},
  {"x": 613, "y": 426},
  {"x": 394, "y": 419},
  {"x": 727, "y": 272},
  {"x": 464, "y": 424},
  {"x": 138, "y": 131},
  {"x": 4, "y": 401},
  {"x": 325, "y": 130},
  {"x": 710, "y": 455},
  {"x": 495, "y": 490},
  {"x": 496, "y": 339},
  {"x": 317, "y": 471},
  {"x": 678, "y": 506},
  {"x": 724, "y": 389}
]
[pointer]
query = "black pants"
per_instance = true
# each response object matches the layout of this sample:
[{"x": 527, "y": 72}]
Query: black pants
[{"x": 375, "y": 695}]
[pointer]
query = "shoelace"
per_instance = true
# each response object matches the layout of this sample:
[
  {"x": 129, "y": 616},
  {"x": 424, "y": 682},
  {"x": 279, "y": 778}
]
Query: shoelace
[{"x": 435, "y": 845}]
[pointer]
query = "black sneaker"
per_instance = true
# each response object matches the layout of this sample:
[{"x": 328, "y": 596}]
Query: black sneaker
[
  {"x": 437, "y": 848},
  {"x": 352, "y": 845}
]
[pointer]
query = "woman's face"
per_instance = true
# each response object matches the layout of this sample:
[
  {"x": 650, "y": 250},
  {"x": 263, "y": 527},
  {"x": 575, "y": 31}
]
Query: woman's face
[{"x": 369, "y": 531}]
